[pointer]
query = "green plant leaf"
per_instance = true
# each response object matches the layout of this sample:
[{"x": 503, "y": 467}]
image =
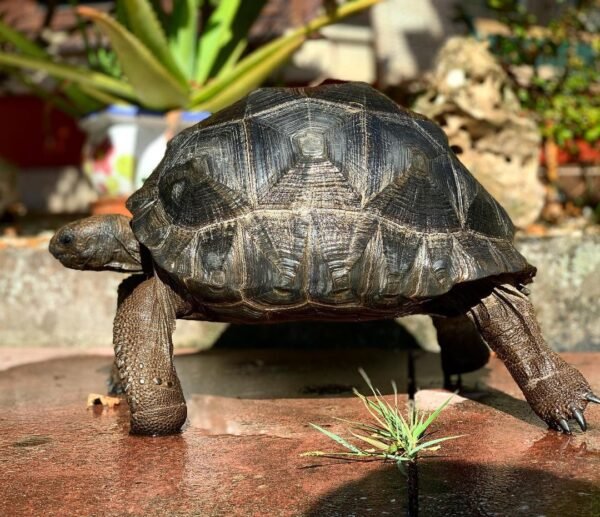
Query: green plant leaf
[
  {"x": 80, "y": 103},
  {"x": 86, "y": 98},
  {"x": 279, "y": 50},
  {"x": 371, "y": 407},
  {"x": 371, "y": 441},
  {"x": 232, "y": 58},
  {"x": 324, "y": 453},
  {"x": 420, "y": 429},
  {"x": 158, "y": 8},
  {"x": 251, "y": 79},
  {"x": 337, "y": 439},
  {"x": 235, "y": 44},
  {"x": 398, "y": 438},
  {"x": 146, "y": 27},
  {"x": 100, "y": 96},
  {"x": 215, "y": 34},
  {"x": 155, "y": 87},
  {"x": 183, "y": 33},
  {"x": 71, "y": 73},
  {"x": 430, "y": 443},
  {"x": 20, "y": 42}
]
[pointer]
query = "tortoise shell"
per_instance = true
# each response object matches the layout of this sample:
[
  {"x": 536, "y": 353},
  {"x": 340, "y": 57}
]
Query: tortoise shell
[{"x": 330, "y": 202}]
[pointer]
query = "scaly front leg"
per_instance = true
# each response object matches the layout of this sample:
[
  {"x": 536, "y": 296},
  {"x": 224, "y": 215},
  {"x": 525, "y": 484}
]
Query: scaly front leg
[
  {"x": 555, "y": 390},
  {"x": 142, "y": 332}
]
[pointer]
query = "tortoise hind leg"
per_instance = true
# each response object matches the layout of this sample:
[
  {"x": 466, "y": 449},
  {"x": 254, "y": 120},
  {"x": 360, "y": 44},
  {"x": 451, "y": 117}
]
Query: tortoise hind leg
[
  {"x": 462, "y": 348},
  {"x": 555, "y": 390},
  {"x": 142, "y": 332}
]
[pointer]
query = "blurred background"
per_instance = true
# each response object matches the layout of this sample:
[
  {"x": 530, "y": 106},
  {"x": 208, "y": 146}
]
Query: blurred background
[{"x": 90, "y": 92}]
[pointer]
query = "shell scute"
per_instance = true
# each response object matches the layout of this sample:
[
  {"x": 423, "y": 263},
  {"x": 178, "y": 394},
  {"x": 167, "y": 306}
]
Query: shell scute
[
  {"x": 215, "y": 275},
  {"x": 331, "y": 195}
]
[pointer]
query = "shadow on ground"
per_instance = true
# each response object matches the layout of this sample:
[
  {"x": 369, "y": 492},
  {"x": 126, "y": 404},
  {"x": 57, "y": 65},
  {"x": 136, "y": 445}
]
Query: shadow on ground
[
  {"x": 461, "y": 488},
  {"x": 316, "y": 335},
  {"x": 299, "y": 360}
]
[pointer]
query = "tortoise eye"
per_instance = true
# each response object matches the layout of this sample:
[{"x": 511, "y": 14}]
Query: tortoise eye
[{"x": 66, "y": 238}]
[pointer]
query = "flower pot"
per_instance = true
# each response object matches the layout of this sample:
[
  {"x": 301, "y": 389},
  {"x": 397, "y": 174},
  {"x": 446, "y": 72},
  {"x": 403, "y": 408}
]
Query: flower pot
[
  {"x": 110, "y": 205},
  {"x": 124, "y": 144},
  {"x": 34, "y": 134}
]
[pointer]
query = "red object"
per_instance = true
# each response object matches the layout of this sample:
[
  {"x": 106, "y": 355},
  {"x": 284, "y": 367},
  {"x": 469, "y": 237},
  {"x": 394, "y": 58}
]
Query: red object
[
  {"x": 576, "y": 151},
  {"x": 111, "y": 205},
  {"x": 588, "y": 153},
  {"x": 35, "y": 134}
]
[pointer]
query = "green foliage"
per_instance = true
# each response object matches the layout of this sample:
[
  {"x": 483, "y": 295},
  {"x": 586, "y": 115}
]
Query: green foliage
[
  {"x": 162, "y": 60},
  {"x": 390, "y": 436},
  {"x": 564, "y": 89}
]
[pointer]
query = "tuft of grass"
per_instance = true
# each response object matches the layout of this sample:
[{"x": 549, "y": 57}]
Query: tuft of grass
[{"x": 390, "y": 435}]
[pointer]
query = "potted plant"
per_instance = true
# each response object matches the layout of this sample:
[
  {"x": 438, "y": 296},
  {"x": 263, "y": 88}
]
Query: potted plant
[{"x": 161, "y": 73}]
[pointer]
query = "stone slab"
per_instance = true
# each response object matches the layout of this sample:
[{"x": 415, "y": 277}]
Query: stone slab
[
  {"x": 45, "y": 304},
  {"x": 566, "y": 288},
  {"x": 240, "y": 453}
]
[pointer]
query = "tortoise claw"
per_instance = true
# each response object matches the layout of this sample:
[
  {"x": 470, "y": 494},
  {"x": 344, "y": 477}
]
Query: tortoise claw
[
  {"x": 578, "y": 415},
  {"x": 593, "y": 398},
  {"x": 564, "y": 425}
]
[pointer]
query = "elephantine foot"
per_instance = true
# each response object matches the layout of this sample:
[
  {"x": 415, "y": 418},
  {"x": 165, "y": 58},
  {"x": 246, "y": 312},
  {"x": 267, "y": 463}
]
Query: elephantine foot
[
  {"x": 159, "y": 421},
  {"x": 560, "y": 396}
]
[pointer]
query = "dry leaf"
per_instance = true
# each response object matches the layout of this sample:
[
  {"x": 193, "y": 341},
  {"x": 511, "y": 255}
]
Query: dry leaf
[{"x": 95, "y": 399}]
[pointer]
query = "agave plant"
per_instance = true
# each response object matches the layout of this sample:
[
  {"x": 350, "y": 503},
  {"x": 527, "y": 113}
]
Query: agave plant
[{"x": 161, "y": 61}]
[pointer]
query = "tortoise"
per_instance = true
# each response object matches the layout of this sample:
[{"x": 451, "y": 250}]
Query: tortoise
[{"x": 321, "y": 203}]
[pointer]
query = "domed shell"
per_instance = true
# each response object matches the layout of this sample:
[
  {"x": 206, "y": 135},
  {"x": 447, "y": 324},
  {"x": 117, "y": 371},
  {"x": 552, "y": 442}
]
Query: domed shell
[{"x": 332, "y": 196}]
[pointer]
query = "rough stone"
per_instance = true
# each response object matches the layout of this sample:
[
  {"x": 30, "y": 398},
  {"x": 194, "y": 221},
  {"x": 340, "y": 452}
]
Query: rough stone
[
  {"x": 45, "y": 304},
  {"x": 565, "y": 292},
  {"x": 566, "y": 288},
  {"x": 470, "y": 97},
  {"x": 421, "y": 327}
]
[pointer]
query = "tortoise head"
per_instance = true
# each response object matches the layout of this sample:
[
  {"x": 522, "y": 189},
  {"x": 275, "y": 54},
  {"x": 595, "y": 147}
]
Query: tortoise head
[{"x": 97, "y": 243}]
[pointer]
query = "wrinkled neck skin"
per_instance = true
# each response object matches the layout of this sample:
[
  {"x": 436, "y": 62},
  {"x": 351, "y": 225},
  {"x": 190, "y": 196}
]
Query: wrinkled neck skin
[{"x": 99, "y": 243}]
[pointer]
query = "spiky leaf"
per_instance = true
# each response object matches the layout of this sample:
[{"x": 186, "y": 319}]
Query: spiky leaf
[
  {"x": 71, "y": 73},
  {"x": 155, "y": 86},
  {"x": 278, "y": 51},
  {"x": 337, "y": 439},
  {"x": 182, "y": 35},
  {"x": 147, "y": 29}
]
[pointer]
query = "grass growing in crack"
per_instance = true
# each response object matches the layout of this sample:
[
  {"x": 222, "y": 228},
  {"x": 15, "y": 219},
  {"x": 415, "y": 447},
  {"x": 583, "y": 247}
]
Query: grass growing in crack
[{"x": 390, "y": 435}]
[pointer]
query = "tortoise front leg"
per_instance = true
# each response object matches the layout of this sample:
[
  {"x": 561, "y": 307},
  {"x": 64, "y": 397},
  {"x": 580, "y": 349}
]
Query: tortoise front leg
[
  {"x": 126, "y": 287},
  {"x": 555, "y": 390},
  {"x": 142, "y": 333}
]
